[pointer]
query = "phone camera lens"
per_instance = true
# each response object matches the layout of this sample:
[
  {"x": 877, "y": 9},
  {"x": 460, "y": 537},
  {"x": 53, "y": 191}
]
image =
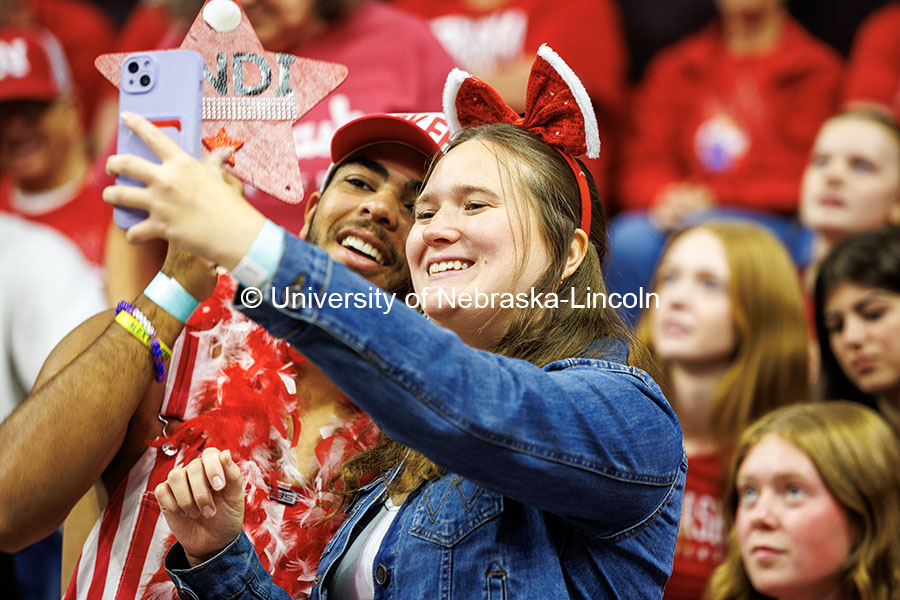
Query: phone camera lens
[
  {"x": 133, "y": 67},
  {"x": 145, "y": 80}
]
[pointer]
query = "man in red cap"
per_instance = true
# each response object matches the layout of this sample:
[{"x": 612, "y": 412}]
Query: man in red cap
[
  {"x": 289, "y": 426},
  {"x": 43, "y": 149}
]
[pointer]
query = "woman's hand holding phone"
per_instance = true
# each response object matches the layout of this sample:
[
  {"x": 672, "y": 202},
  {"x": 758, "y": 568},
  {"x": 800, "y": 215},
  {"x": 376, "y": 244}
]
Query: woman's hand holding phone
[{"x": 190, "y": 203}]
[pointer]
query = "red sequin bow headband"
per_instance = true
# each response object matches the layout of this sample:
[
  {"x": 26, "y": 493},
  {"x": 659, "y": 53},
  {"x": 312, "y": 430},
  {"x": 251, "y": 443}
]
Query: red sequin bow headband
[{"x": 557, "y": 109}]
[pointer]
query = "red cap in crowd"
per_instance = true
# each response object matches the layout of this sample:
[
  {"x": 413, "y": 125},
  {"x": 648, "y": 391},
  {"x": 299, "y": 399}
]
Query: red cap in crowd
[{"x": 32, "y": 65}]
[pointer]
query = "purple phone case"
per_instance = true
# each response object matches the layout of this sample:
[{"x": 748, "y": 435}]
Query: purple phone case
[{"x": 166, "y": 88}]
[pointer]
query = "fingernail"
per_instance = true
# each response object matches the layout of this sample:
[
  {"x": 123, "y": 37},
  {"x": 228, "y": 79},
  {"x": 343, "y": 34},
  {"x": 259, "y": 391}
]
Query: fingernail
[
  {"x": 208, "y": 511},
  {"x": 126, "y": 117},
  {"x": 194, "y": 513},
  {"x": 217, "y": 483}
]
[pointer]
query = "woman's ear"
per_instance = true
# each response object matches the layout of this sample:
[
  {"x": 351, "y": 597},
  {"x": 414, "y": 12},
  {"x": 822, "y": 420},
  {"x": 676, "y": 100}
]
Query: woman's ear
[{"x": 577, "y": 250}]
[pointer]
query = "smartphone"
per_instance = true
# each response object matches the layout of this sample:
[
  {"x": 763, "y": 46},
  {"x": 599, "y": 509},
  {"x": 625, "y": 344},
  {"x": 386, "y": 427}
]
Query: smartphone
[{"x": 166, "y": 88}]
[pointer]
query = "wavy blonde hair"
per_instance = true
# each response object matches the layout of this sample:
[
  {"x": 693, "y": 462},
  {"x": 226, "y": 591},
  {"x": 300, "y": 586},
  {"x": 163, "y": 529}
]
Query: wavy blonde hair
[
  {"x": 770, "y": 365},
  {"x": 858, "y": 457}
]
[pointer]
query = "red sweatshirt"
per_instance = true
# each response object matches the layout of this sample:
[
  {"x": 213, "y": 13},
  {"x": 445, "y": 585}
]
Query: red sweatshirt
[
  {"x": 741, "y": 125},
  {"x": 873, "y": 72},
  {"x": 587, "y": 34},
  {"x": 84, "y": 31}
]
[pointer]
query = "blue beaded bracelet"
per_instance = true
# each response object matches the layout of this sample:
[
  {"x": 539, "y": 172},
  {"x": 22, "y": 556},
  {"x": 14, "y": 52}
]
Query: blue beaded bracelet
[{"x": 141, "y": 328}]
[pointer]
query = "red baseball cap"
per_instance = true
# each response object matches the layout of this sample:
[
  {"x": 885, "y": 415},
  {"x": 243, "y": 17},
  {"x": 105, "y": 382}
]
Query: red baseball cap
[
  {"x": 426, "y": 132},
  {"x": 32, "y": 65}
]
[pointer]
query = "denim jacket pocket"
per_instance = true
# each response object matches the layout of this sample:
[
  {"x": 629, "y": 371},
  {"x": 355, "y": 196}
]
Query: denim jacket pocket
[{"x": 451, "y": 508}]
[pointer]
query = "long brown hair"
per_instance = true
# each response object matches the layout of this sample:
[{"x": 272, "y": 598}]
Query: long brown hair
[
  {"x": 858, "y": 457},
  {"x": 871, "y": 260},
  {"x": 770, "y": 364},
  {"x": 549, "y": 192}
]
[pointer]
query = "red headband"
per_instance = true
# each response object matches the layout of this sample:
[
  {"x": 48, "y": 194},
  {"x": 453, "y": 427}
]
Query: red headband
[{"x": 557, "y": 109}]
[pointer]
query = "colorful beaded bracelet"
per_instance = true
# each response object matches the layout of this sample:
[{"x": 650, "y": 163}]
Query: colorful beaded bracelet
[{"x": 137, "y": 324}]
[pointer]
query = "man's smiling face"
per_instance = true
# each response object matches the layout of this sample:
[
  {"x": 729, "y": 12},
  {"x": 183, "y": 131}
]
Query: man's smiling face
[{"x": 364, "y": 215}]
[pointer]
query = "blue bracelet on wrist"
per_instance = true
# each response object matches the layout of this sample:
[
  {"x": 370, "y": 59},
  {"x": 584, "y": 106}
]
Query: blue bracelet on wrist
[
  {"x": 261, "y": 261},
  {"x": 168, "y": 294}
]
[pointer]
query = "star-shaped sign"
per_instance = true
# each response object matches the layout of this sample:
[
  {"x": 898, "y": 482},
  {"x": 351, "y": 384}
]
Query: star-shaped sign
[
  {"x": 223, "y": 140},
  {"x": 258, "y": 95}
]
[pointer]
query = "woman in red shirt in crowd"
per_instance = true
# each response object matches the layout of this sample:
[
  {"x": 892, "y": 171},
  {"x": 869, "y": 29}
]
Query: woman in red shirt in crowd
[
  {"x": 496, "y": 42},
  {"x": 729, "y": 332},
  {"x": 814, "y": 495},
  {"x": 873, "y": 70}
]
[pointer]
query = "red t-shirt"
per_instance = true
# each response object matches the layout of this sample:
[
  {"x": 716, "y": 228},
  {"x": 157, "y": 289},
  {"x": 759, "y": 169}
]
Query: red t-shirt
[
  {"x": 587, "y": 34},
  {"x": 701, "y": 544},
  {"x": 873, "y": 71},
  {"x": 146, "y": 27},
  {"x": 84, "y": 31},
  {"x": 395, "y": 65},
  {"x": 743, "y": 126},
  {"x": 84, "y": 219}
]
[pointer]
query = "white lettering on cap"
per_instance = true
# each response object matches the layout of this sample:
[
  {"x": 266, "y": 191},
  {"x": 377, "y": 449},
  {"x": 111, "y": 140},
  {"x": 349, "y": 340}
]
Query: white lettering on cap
[
  {"x": 14, "y": 59},
  {"x": 434, "y": 125}
]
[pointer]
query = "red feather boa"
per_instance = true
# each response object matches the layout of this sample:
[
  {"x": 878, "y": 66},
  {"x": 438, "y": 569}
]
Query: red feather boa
[{"x": 246, "y": 407}]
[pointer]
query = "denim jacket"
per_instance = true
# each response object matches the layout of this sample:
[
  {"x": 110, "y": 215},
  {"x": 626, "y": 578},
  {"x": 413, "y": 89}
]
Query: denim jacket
[{"x": 562, "y": 482}]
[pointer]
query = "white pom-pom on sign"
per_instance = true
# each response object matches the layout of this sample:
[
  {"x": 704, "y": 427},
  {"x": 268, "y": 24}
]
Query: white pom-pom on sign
[{"x": 222, "y": 15}]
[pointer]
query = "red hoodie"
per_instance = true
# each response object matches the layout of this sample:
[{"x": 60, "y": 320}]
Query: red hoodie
[
  {"x": 741, "y": 125},
  {"x": 873, "y": 72}
]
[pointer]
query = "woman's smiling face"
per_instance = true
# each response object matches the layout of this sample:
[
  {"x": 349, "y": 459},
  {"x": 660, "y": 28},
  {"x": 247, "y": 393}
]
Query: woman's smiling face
[{"x": 474, "y": 236}]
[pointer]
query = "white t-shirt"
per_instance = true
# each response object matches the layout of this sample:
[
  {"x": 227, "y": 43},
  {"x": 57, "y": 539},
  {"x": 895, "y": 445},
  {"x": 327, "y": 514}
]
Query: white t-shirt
[
  {"x": 46, "y": 289},
  {"x": 353, "y": 577}
]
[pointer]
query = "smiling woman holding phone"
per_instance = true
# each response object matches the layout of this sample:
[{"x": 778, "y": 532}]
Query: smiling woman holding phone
[{"x": 528, "y": 454}]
